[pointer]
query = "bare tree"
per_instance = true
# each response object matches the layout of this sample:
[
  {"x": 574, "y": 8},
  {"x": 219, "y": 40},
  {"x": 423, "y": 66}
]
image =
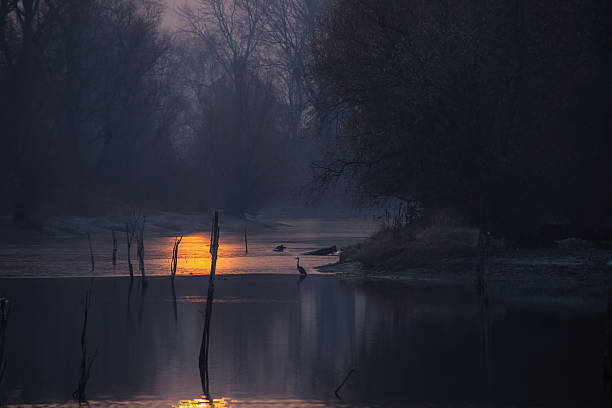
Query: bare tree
[
  {"x": 443, "y": 103},
  {"x": 231, "y": 30},
  {"x": 237, "y": 125},
  {"x": 290, "y": 25}
]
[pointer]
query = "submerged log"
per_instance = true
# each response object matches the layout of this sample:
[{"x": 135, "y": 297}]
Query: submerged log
[{"x": 323, "y": 251}]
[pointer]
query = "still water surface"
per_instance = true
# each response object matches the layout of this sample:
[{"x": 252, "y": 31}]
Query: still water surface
[
  {"x": 70, "y": 256},
  {"x": 278, "y": 341}
]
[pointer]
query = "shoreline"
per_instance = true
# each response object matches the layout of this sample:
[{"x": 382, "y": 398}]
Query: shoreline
[{"x": 533, "y": 272}]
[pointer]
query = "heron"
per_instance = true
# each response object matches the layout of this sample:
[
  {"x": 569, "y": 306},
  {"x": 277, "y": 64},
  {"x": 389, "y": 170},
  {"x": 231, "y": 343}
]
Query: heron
[{"x": 299, "y": 268}]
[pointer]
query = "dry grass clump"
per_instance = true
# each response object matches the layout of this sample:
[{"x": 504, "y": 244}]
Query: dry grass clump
[{"x": 413, "y": 246}]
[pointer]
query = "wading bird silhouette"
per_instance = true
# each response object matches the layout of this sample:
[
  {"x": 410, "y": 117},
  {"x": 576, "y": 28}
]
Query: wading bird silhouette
[{"x": 299, "y": 268}]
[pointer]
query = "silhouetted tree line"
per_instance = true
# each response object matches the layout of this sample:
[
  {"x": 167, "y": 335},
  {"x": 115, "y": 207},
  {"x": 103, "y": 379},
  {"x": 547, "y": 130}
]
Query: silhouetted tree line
[
  {"x": 499, "y": 110},
  {"x": 244, "y": 62},
  {"x": 87, "y": 105},
  {"x": 100, "y": 106}
]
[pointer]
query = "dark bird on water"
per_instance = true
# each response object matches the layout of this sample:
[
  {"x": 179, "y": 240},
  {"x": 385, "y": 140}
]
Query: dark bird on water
[
  {"x": 280, "y": 248},
  {"x": 299, "y": 268}
]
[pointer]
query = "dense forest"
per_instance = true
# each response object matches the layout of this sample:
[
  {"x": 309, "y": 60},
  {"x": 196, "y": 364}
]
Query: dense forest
[
  {"x": 102, "y": 106},
  {"x": 500, "y": 111}
]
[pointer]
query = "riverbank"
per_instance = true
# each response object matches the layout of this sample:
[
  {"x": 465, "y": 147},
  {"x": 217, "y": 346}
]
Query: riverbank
[{"x": 443, "y": 256}]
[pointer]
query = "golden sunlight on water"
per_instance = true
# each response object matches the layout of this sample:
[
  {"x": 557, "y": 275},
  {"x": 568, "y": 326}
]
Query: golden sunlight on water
[
  {"x": 203, "y": 403},
  {"x": 69, "y": 255},
  {"x": 192, "y": 403},
  {"x": 270, "y": 403},
  {"x": 194, "y": 257}
]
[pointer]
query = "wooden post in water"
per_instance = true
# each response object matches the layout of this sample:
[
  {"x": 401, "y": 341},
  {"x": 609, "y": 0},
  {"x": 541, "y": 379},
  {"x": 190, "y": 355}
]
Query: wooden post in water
[
  {"x": 114, "y": 247},
  {"x": 608, "y": 354},
  {"x": 91, "y": 252},
  {"x": 129, "y": 235},
  {"x": 246, "y": 243},
  {"x": 203, "y": 360},
  {"x": 4, "y": 312},
  {"x": 140, "y": 241}
]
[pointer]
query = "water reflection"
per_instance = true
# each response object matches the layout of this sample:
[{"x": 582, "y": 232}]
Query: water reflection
[
  {"x": 412, "y": 346},
  {"x": 203, "y": 403},
  {"x": 218, "y": 403}
]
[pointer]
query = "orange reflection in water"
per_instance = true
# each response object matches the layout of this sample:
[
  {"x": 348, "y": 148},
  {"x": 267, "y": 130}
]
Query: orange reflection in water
[
  {"x": 194, "y": 254},
  {"x": 252, "y": 403},
  {"x": 203, "y": 403}
]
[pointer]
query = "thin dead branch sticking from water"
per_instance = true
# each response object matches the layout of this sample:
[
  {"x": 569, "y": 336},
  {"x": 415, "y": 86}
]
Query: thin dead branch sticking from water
[
  {"x": 483, "y": 309},
  {"x": 246, "y": 243},
  {"x": 134, "y": 228},
  {"x": 343, "y": 382},
  {"x": 4, "y": 313},
  {"x": 203, "y": 360},
  {"x": 129, "y": 235},
  {"x": 114, "y": 247},
  {"x": 608, "y": 353},
  {"x": 91, "y": 252},
  {"x": 79, "y": 393},
  {"x": 174, "y": 261},
  {"x": 140, "y": 241}
]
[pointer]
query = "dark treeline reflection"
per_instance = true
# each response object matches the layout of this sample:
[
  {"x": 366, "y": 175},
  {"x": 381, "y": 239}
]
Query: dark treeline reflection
[
  {"x": 99, "y": 105},
  {"x": 269, "y": 339}
]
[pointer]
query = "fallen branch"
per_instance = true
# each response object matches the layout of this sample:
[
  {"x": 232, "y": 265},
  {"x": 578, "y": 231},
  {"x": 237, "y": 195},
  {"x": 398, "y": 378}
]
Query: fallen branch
[{"x": 323, "y": 251}]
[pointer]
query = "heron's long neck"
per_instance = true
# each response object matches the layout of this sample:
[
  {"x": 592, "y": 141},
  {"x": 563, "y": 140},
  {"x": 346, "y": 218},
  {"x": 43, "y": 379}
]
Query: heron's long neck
[{"x": 298, "y": 264}]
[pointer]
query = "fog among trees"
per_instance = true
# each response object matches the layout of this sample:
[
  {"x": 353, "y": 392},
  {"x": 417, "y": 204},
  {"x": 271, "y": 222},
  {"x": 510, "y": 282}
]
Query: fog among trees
[
  {"x": 498, "y": 111},
  {"x": 102, "y": 107}
]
